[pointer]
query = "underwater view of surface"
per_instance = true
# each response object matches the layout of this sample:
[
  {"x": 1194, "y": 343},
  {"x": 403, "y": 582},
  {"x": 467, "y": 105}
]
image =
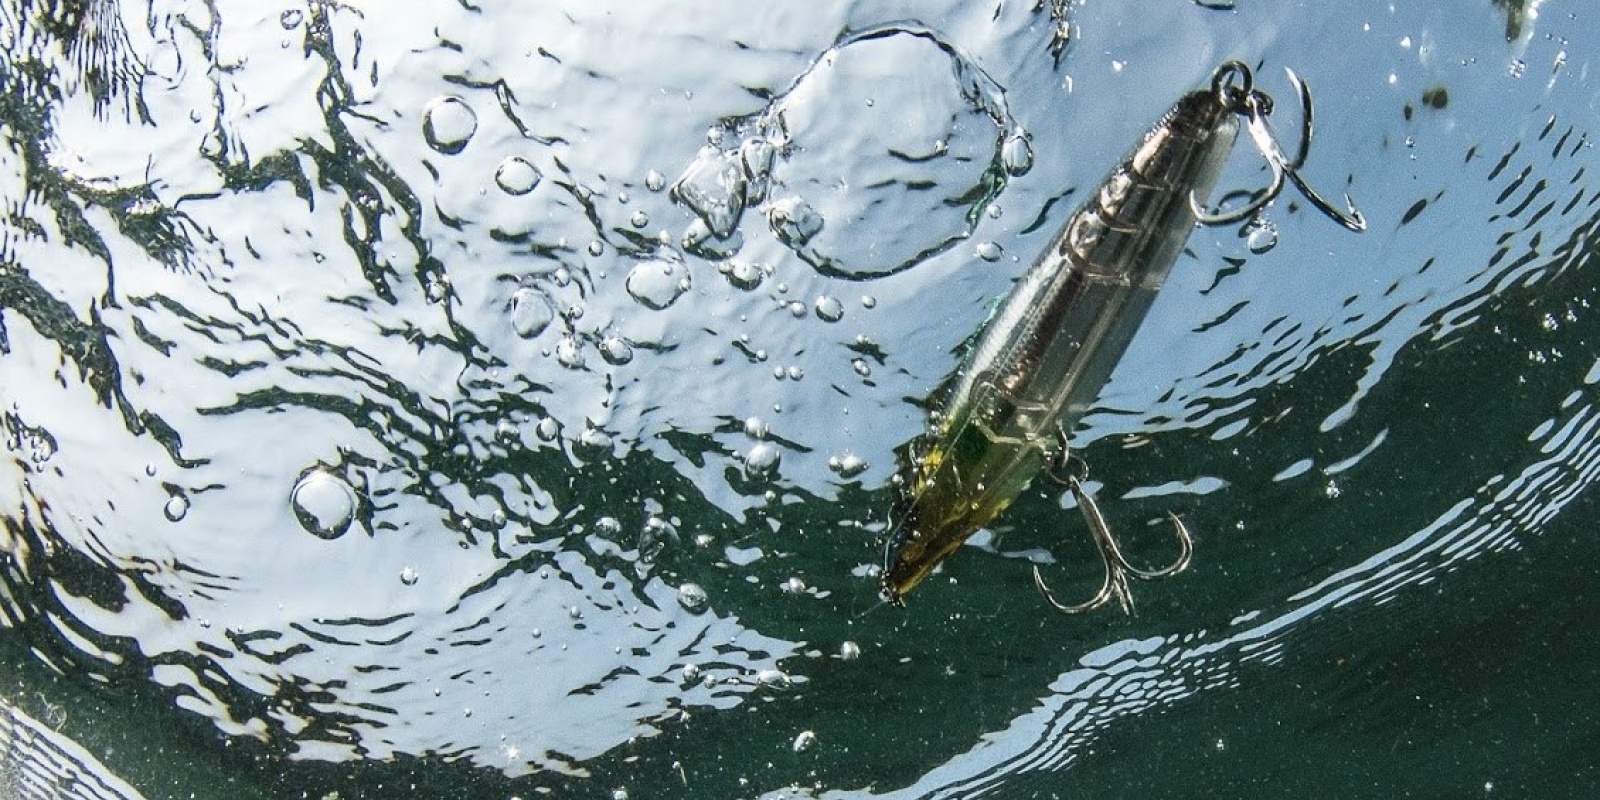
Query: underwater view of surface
[{"x": 508, "y": 400}]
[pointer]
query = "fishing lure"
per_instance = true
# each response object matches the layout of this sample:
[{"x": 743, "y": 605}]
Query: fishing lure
[{"x": 1050, "y": 347}]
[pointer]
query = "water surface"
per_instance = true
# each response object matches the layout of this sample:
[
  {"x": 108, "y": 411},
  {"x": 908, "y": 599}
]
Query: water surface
[{"x": 486, "y": 402}]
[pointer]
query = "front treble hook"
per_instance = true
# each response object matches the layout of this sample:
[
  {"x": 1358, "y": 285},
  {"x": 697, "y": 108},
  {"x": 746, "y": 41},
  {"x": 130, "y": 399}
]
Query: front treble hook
[
  {"x": 1117, "y": 568},
  {"x": 1255, "y": 106}
]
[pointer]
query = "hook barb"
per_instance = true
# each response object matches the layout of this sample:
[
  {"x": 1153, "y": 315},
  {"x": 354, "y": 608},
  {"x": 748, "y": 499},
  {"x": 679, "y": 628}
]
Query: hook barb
[{"x": 1117, "y": 569}]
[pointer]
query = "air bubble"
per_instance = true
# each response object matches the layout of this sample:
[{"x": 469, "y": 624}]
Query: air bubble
[
  {"x": 176, "y": 507},
  {"x": 448, "y": 124},
  {"x": 829, "y": 309},
  {"x": 700, "y": 240},
  {"x": 692, "y": 597},
  {"x": 796, "y": 308},
  {"x": 594, "y": 439},
  {"x": 804, "y": 741},
  {"x": 775, "y": 678},
  {"x": 409, "y": 576},
  {"x": 762, "y": 460},
  {"x": 743, "y": 274},
  {"x": 597, "y": 248},
  {"x": 639, "y": 219},
  {"x": 868, "y": 301},
  {"x": 848, "y": 465},
  {"x": 713, "y": 188},
  {"x": 505, "y": 432},
  {"x": 569, "y": 352},
  {"x": 1016, "y": 154},
  {"x": 291, "y": 19},
  {"x": 547, "y": 429},
  {"x": 616, "y": 350},
  {"x": 756, "y": 428},
  {"x": 516, "y": 177},
  {"x": 757, "y": 155},
  {"x": 657, "y": 284},
  {"x": 324, "y": 504},
  {"x": 655, "y": 181},
  {"x": 654, "y": 538},
  {"x": 988, "y": 251},
  {"x": 793, "y": 221},
  {"x": 861, "y": 367},
  {"x": 530, "y": 312},
  {"x": 1261, "y": 237},
  {"x": 849, "y": 651}
]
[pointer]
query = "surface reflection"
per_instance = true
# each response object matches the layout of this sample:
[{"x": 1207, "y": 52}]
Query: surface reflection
[{"x": 507, "y": 399}]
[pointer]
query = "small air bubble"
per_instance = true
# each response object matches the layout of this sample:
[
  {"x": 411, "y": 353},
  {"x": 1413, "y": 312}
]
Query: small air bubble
[
  {"x": 409, "y": 576},
  {"x": 616, "y": 350},
  {"x": 743, "y": 274},
  {"x": 448, "y": 124},
  {"x": 804, "y": 741},
  {"x": 569, "y": 352},
  {"x": 639, "y": 219},
  {"x": 655, "y": 181},
  {"x": 597, "y": 248},
  {"x": 505, "y": 432},
  {"x": 324, "y": 504},
  {"x": 762, "y": 460},
  {"x": 848, "y": 465},
  {"x": 868, "y": 301},
  {"x": 692, "y": 597},
  {"x": 1261, "y": 238},
  {"x": 861, "y": 367},
  {"x": 756, "y": 428},
  {"x": 797, "y": 308},
  {"x": 1016, "y": 153},
  {"x": 849, "y": 651},
  {"x": 829, "y": 309},
  {"x": 177, "y": 506},
  {"x": 657, "y": 284},
  {"x": 988, "y": 251},
  {"x": 793, "y": 221},
  {"x": 530, "y": 312},
  {"x": 515, "y": 176}
]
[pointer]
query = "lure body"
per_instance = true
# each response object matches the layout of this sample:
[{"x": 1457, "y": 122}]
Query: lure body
[{"x": 1049, "y": 349}]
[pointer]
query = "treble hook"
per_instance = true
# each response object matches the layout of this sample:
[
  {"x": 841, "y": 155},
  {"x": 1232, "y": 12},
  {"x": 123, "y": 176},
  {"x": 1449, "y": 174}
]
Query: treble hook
[
  {"x": 1256, "y": 105},
  {"x": 1117, "y": 568}
]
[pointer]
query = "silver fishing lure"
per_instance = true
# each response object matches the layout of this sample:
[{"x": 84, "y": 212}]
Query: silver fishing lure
[{"x": 1048, "y": 350}]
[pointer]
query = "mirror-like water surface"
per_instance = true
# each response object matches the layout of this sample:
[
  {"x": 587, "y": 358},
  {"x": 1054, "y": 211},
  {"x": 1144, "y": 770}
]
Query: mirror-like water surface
[{"x": 481, "y": 401}]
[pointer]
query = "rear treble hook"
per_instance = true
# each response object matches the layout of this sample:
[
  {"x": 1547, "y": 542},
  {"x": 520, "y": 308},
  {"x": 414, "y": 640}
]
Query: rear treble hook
[
  {"x": 1255, "y": 106},
  {"x": 1117, "y": 569}
]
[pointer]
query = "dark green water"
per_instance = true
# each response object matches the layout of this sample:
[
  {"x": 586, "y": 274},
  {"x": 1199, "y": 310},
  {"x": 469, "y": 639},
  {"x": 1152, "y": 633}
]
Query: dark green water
[{"x": 504, "y": 402}]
